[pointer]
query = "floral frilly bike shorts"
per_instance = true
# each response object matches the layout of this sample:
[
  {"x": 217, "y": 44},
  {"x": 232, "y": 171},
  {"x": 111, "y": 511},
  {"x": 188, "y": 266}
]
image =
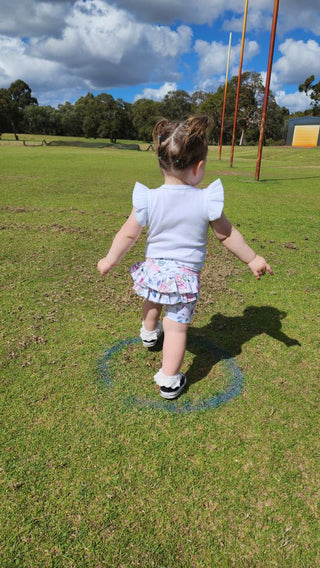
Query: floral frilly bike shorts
[{"x": 170, "y": 283}]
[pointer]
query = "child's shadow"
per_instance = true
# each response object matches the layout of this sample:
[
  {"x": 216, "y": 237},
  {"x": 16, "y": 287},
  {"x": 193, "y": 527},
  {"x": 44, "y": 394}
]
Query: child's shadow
[{"x": 228, "y": 334}]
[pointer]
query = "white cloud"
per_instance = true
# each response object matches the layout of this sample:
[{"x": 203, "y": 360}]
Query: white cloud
[
  {"x": 47, "y": 76},
  {"x": 108, "y": 47},
  {"x": 157, "y": 94},
  {"x": 46, "y": 17},
  {"x": 72, "y": 46},
  {"x": 168, "y": 11},
  {"x": 30, "y": 17},
  {"x": 257, "y": 20},
  {"x": 99, "y": 47},
  {"x": 294, "y": 14},
  {"x": 299, "y": 60},
  {"x": 293, "y": 101},
  {"x": 213, "y": 60},
  {"x": 291, "y": 14}
]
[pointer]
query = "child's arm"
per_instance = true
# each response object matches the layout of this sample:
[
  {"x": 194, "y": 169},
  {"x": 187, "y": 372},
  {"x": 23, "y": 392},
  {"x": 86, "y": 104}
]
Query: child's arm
[
  {"x": 123, "y": 241},
  {"x": 233, "y": 240}
]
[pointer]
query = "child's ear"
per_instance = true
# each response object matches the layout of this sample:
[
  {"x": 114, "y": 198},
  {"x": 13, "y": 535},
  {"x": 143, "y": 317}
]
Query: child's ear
[{"x": 196, "y": 167}]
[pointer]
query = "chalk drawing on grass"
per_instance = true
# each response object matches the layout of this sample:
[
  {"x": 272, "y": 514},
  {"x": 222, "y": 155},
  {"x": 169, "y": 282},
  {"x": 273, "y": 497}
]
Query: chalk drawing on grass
[{"x": 232, "y": 372}]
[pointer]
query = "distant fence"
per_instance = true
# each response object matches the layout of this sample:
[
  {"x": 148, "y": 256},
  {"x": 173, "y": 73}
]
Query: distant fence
[
  {"x": 77, "y": 144},
  {"x": 80, "y": 144}
]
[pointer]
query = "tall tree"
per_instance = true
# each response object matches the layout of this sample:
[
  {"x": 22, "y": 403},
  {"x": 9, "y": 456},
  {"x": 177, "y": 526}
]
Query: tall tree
[
  {"x": 41, "y": 120},
  {"x": 176, "y": 105},
  {"x": 276, "y": 123},
  {"x": 113, "y": 117},
  {"x": 19, "y": 98},
  {"x": 145, "y": 114},
  {"x": 5, "y": 125},
  {"x": 212, "y": 106},
  {"x": 313, "y": 90},
  {"x": 70, "y": 120},
  {"x": 197, "y": 98},
  {"x": 250, "y": 105}
]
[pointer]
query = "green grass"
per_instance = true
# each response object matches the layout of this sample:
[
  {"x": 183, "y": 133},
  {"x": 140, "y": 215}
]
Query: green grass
[{"x": 90, "y": 480}]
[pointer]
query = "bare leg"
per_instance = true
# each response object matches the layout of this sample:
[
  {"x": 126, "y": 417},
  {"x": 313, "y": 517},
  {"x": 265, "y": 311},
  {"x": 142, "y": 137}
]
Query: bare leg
[
  {"x": 174, "y": 346},
  {"x": 151, "y": 314}
]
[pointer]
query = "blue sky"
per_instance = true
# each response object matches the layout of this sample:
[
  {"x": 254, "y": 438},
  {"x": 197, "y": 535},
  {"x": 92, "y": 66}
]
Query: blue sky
[{"x": 143, "y": 48}]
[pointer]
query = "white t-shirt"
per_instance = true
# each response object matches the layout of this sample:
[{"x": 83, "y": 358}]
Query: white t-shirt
[{"x": 178, "y": 217}]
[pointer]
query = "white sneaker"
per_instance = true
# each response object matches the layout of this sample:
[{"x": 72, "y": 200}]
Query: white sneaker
[
  {"x": 170, "y": 387},
  {"x": 150, "y": 338}
]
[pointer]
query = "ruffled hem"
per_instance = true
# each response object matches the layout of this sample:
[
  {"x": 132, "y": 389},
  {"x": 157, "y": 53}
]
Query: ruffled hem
[{"x": 165, "y": 282}]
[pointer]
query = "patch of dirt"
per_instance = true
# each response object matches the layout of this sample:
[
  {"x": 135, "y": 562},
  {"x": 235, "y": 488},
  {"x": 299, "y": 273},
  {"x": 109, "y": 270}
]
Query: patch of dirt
[
  {"x": 17, "y": 209},
  {"x": 219, "y": 266},
  {"x": 44, "y": 210},
  {"x": 50, "y": 228}
]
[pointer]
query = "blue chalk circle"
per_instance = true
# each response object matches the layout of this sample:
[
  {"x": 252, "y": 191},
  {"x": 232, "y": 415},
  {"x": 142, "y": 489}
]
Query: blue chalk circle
[{"x": 232, "y": 371}]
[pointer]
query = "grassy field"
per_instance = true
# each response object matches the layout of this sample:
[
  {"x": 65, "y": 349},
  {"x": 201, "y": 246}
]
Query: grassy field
[{"x": 96, "y": 469}]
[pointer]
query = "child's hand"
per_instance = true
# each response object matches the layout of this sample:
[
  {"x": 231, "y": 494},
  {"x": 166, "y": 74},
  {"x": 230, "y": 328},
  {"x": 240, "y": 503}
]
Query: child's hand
[
  {"x": 259, "y": 266},
  {"x": 104, "y": 266}
]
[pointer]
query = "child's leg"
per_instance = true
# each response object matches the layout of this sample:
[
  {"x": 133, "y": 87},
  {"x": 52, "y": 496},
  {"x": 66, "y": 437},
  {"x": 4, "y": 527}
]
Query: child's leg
[
  {"x": 174, "y": 346},
  {"x": 175, "y": 325},
  {"x": 151, "y": 313},
  {"x": 151, "y": 329}
]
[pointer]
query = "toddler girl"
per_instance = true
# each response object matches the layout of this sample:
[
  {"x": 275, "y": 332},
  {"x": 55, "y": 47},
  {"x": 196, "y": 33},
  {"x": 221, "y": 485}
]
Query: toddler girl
[{"x": 177, "y": 215}]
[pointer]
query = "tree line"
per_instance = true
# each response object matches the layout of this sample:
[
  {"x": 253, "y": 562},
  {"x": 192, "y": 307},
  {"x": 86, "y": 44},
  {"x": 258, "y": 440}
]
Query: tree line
[{"x": 102, "y": 116}]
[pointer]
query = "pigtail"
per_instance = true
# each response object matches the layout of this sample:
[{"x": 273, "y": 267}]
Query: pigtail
[
  {"x": 157, "y": 132},
  {"x": 199, "y": 126},
  {"x": 181, "y": 144}
]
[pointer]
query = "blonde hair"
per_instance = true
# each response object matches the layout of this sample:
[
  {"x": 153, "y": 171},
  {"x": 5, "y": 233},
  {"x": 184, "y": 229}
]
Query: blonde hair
[{"x": 181, "y": 144}]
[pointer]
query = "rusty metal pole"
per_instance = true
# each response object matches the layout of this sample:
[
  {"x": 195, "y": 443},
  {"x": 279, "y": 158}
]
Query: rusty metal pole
[
  {"x": 267, "y": 87},
  {"x": 239, "y": 82},
  {"x": 225, "y": 97}
]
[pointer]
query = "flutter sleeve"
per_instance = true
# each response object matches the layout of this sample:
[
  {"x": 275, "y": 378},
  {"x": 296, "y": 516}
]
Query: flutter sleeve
[
  {"x": 215, "y": 200},
  {"x": 140, "y": 202}
]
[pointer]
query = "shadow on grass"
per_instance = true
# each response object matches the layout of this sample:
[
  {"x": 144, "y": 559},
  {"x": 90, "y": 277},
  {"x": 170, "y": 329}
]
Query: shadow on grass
[{"x": 229, "y": 334}]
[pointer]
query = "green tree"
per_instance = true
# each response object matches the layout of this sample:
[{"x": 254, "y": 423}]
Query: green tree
[
  {"x": 313, "y": 90},
  {"x": 176, "y": 105},
  {"x": 198, "y": 98},
  {"x": 103, "y": 117},
  {"x": 276, "y": 122},
  {"x": 69, "y": 120},
  {"x": 249, "y": 111},
  {"x": 20, "y": 94},
  {"x": 13, "y": 102},
  {"x": 92, "y": 118},
  {"x": 212, "y": 106},
  {"x": 113, "y": 117},
  {"x": 145, "y": 114},
  {"x": 250, "y": 105},
  {"x": 5, "y": 125},
  {"x": 130, "y": 131},
  {"x": 80, "y": 110},
  {"x": 41, "y": 120}
]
